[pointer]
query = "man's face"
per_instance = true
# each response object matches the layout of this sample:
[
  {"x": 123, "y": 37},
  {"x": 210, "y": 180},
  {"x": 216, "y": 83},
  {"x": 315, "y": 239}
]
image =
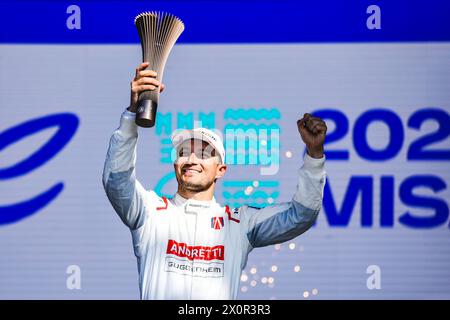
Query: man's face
[{"x": 197, "y": 165}]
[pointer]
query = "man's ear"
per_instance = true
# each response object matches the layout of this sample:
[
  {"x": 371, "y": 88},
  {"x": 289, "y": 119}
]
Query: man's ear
[{"x": 221, "y": 169}]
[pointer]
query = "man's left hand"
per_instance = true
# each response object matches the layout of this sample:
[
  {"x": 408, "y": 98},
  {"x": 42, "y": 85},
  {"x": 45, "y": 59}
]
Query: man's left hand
[{"x": 313, "y": 131}]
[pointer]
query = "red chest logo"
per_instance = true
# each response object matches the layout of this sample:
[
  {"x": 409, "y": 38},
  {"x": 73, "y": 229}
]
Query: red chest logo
[
  {"x": 217, "y": 223},
  {"x": 206, "y": 253}
]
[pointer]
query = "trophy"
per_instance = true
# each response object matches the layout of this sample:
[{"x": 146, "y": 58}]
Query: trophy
[{"x": 158, "y": 32}]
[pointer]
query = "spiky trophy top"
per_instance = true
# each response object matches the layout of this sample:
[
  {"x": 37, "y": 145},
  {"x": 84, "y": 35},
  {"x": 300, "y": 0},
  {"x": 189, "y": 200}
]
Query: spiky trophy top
[{"x": 158, "y": 32}]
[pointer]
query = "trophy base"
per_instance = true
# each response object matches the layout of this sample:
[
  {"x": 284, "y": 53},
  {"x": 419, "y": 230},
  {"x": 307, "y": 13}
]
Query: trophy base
[{"x": 146, "y": 113}]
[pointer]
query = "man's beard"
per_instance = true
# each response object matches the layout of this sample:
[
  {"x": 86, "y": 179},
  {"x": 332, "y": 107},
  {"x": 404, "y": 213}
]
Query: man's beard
[{"x": 195, "y": 187}]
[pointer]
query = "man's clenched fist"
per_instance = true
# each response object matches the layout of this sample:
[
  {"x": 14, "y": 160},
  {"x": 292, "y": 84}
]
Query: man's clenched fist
[{"x": 313, "y": 131}]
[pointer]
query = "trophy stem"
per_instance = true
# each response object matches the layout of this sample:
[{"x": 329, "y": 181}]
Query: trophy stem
[{"x": 146, "y": 113}]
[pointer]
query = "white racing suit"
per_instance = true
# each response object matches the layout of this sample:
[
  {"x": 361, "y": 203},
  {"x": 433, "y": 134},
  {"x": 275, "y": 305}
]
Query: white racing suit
[{"x": 189, "y": 249}]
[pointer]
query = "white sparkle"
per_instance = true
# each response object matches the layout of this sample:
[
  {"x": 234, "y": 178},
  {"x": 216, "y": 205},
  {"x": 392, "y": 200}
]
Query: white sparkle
[
  {"x": 256, "y": 184},
  {"x": 244, "y": 278},
  {"x": 253, "y": 270},
  {"x": 253, "y": 283},
  {"x": 277, "y": 246},
  {"x": 263, "y": 142},
  {"x": 305, "y": 294},
  {"x": 288, "y": 154},
  {"x": 315, "y": 291},
  {"x": 270, "y": 200},
  {"x": 292, "y": 246},
  {"x": 274, "y": 268},
  {"x": 244, "y": 289},
  {"x": 270, "y": 280},
  {"x": 297, "y": 269},
  {"x": 248, "y": 190},
  {"x": 264, "y": 280}
]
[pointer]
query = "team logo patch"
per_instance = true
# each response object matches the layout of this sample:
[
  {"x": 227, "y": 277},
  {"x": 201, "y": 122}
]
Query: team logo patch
[
  {"x": 207, "y": 253},
  {"x": 197, "y": 261},
  {"x": 217, "y": 223}
]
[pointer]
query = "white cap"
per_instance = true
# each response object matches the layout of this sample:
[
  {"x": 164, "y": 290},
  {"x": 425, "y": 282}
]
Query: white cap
[{"x": 203, "y": 134}]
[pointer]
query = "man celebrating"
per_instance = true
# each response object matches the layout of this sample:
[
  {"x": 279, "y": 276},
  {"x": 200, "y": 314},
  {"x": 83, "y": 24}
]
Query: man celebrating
[{"x": 189, "y": 246}]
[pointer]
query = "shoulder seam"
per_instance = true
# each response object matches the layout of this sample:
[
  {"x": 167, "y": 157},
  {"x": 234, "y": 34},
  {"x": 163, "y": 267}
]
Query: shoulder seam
[{"x": 228, "y": 212}]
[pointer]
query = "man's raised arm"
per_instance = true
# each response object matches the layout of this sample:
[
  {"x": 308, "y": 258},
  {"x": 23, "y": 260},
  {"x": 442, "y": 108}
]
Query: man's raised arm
[
  {"x": 119, "y": 174},
  {"x": 124, "y": 192},
  {"x": 283, "y": 222}
]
